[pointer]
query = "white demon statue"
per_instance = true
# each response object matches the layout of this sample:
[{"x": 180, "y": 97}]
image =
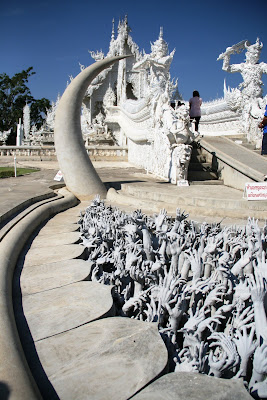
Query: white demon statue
[{"x": 248, "y": 97}]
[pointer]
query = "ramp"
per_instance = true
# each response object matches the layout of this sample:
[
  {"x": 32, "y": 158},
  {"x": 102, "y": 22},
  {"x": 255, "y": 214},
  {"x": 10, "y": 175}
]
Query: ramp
[{"x": 241, "y": 159}]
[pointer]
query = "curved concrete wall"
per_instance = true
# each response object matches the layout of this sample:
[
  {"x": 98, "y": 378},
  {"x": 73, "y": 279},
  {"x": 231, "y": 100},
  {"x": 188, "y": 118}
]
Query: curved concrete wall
[{"x": 15, "y": 376}]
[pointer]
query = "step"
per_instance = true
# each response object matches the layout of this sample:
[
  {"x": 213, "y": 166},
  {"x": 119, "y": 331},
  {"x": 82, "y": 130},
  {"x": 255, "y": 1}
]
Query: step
[
  {"x": 201, "y": 175},
  {"x": 200, "y": 158},
  {"x": 196, "y": 151},
  {"x": 196, "y": 166},
  {"x": 208, "y": 182},
  {"x": 212, "y": 200}
]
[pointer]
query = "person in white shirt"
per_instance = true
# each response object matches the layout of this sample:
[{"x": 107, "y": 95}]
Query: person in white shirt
[{"x": 194, "y": 108}]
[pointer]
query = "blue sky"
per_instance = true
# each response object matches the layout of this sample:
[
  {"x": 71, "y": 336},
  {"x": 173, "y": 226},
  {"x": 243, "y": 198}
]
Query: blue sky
[{"x": 54, "y": 36}]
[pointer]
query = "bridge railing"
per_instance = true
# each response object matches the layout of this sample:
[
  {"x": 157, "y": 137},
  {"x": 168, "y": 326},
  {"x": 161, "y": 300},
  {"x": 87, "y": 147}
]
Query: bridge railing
[{"x": 95, "y": 152}]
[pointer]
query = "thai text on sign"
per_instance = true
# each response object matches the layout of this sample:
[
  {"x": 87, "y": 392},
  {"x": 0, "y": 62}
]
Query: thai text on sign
[
  {"x": 256, "y": 191},
  {"x": 59, "y": 176}
]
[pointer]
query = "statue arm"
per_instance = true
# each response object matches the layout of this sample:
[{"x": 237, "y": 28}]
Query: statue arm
[
  {"x": 230, "y": 68},
  {"x": 237, "y": 48}
]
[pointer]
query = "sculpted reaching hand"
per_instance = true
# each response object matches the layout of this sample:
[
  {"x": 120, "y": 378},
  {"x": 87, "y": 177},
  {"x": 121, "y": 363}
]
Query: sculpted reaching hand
[
  {"x": 245, "y": 345},
  {"x": 225, "y": 355},
  {"x": 257, "y": 287}
]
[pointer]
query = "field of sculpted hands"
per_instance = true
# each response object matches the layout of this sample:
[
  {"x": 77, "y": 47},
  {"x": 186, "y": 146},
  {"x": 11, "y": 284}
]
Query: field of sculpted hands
[{"x": 203, "y": 285}]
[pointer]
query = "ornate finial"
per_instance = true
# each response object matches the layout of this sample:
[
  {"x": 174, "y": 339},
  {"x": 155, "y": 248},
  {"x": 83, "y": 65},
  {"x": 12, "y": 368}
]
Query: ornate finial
[
  {"x": 160, "y": 46},
  {"x": 113, "y": 31},
  {"x": 127, "y": 28}
]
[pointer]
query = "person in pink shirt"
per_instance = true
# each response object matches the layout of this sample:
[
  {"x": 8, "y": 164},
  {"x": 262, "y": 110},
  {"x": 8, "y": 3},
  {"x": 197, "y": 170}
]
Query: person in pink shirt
[{"x": 194, "y": 108}]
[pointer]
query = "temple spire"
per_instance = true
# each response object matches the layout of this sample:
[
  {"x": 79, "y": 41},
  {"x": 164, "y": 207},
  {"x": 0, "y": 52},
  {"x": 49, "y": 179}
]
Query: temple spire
[{"x": 113, "y": 31}]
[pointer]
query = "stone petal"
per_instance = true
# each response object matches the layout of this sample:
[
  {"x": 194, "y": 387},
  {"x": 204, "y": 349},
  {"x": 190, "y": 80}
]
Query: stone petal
[
  {"x": 193, "y": 386},
  {"x": 111, "y": 358},
  {"x": 49, "y": 254},
  {"x": 56, "y": 240},
  {"x": 37, "y": 278},
  {"x": 58, "y": 310}
]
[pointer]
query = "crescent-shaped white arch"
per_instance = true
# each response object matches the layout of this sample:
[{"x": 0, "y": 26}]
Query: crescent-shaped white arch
[{"x": 79, "y": 173}]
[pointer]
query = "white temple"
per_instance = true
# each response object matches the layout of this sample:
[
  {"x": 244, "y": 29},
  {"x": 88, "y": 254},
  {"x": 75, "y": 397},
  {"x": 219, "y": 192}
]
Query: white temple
[{"x": 129, "y": 104}]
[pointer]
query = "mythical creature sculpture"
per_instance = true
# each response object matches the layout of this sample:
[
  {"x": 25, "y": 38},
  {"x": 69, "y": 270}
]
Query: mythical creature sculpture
[
  {"x": 109, "y": 98},
  {"x": 170, "y": 131},
  {"x": 203, "y": 285},
  {"x": 155, "y": 67},
  {"x": 4, "y": 136},
  {"x": 249, "y": 94},
  {"x": 250, "y": 70},
  {"x": 177, "y": 124},
  {"x": 181, "y": 155}
]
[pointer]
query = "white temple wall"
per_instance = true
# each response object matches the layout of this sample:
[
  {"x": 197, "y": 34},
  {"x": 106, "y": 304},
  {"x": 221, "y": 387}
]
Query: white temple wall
[
  {"x": 217, "y": 119},
  {"x": 139, "y": 154},
  {"x": 155, "y": 157}
]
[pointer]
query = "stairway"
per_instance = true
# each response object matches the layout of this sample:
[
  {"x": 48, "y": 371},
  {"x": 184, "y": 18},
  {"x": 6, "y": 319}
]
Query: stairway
[{"x": 200, "y": 170}]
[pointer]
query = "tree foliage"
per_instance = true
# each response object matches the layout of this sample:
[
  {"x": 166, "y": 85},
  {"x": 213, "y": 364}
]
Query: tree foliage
[{"x": 14, "y": 94}]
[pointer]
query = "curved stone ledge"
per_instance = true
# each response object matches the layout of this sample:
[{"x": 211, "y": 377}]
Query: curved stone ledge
[{"x": 14, "y": 370}]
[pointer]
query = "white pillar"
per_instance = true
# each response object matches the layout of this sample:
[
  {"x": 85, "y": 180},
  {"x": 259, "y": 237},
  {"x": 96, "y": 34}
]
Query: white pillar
[{"x": 19, "y": 133}]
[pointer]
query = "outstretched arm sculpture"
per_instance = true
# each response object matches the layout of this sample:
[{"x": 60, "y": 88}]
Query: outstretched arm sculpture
[{"x": 79, "y": 173}]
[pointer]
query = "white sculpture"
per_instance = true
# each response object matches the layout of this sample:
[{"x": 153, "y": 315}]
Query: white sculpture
[
  {"x": 19, "y": 133},
  {"x": 249, "y": 95},
  {"x": 204, "y": 286},
  {"x": 86, "y": 125},
  {"x": 180, "y": 161},
  {"x": 50, "y": 115},
  {"x": 165, "y": 127},
  {"x": 250, "y": 70},
  {"x": 109, "y": 98},
  {"x": 4, "y": 136},
  {"x": 26, "y": 121}
]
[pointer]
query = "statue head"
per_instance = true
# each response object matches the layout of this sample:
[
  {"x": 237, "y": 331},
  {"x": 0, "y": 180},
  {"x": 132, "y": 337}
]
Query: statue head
[
  {"x": 159, "y": 48},
  {"x": 253, "y": 52},
  {"x": 183, "y": 113}
]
